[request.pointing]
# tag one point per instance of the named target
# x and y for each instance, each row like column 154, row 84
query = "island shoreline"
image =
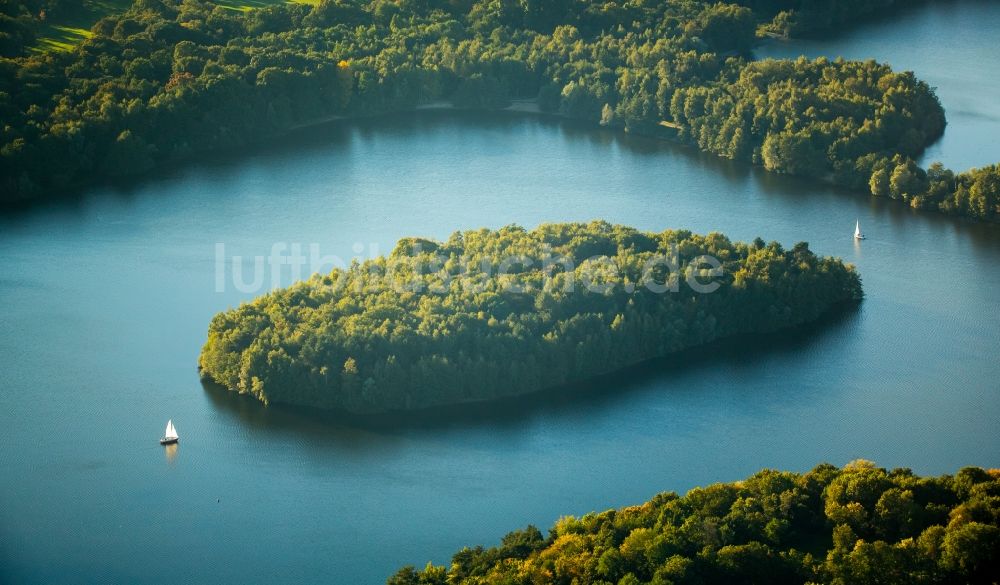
column 593, row 389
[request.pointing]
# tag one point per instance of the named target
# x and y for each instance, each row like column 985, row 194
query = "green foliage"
column 167, row 79
column 726, row 27
column 499, row 313
column 810, row 117
column 720, row 534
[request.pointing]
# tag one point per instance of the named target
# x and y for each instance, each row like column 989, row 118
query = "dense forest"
column 488, row 313
column 168, row 79
column 857, row 525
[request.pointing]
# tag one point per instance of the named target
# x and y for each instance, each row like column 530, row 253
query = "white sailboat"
column 857, row 231
column 170, row 436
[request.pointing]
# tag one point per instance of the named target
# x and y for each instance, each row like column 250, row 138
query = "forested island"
column 857, row 525
column 168, row 79
column 494, row 313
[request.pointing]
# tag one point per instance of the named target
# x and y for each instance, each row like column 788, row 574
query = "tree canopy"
column 492, row 313
column 857, row 524
column 168, row 79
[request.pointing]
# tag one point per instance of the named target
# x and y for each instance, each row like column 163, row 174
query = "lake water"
column 952, row 46
column 106, row 303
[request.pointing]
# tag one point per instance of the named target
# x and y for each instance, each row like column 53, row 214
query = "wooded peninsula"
column 168, row 79
column 859, row 524
column 494, row 313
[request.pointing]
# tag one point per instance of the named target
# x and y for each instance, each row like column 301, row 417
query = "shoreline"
column 530, row 106
column 526, row 106
column 594, row 386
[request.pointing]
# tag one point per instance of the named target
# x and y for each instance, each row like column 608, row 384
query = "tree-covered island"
column 168, row 79
column 859, row 525
column 494, row 313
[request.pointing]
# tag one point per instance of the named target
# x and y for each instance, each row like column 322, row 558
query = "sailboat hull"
column 166, row 441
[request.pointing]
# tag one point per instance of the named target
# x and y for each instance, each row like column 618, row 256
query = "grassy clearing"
column 67, row 32
column 56, row 37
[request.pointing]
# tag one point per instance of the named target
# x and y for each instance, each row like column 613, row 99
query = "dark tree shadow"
column 571, row 400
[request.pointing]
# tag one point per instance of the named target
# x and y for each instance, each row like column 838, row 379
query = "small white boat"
column 857, row 231
column 170, row 436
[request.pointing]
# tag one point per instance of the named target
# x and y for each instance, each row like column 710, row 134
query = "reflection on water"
column 339, row 430
column 122, row 287
column 170, row 451
column 950, row 45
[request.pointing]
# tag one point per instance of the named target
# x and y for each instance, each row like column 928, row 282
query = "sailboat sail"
column 857, row 230
column 171, row 432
